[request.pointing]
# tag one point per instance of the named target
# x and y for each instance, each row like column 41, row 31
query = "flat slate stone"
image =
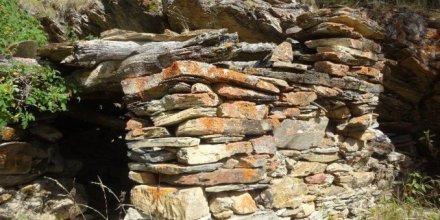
column 356, row 53
column 165, row 142
column 18, row 157
column 170, row 202
column 304, row 168
column 151, row 156
column 216, row 75
column 287, row 192
column 212, row 153
column 142, row 177
column 173, row 169
column 237, row 93
column 311, row 77
column 174, row 101
column 258, row 215
column 147, row 132
column 282, row 52
column 253, row 161
column 145, row 87
column 264, row 145
column 323, row 158
column 168, row 118
column 361, row 44
column 284, row 112
column 235, row 187
column 299, row 134
column 242, row 109
column 326, row 30
column 220, row 139
column 294, row 66
column 366, row 27
column 299, row 98
column 333, row 69
column 226, row 126
column 221, row 176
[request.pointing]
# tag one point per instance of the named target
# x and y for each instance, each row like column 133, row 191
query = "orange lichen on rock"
column 216, row 75
column 299, row 98
column 242, row 109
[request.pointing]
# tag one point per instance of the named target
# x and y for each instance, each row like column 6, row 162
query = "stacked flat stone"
column 294, row 136
column 411, row 84
column 227, row 130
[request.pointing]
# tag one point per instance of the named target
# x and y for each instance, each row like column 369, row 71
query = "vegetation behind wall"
column 25, row 89
column 16, row 25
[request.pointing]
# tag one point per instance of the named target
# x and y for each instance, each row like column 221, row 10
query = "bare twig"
column 71, row 196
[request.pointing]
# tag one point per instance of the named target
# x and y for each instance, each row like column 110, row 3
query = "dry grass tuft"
column 398, row 210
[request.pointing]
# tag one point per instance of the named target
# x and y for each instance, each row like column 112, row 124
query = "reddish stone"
column 339, row 57
column 253, row 161
column 365, row 71
column 237, row 93
column 331, row 68
column 282, row 112
column 226, row 126
column 316, row 179
column 299, row 98
column 283, row 52
column 242, row 109
column 146, row 87
column 222, row 176
column 134, row 124
column 213, row 74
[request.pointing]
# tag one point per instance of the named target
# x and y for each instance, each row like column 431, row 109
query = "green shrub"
column 422, row 189
column 25, row 90
column 16, row 25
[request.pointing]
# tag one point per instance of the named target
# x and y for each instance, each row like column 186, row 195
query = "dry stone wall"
column 292, row 136
column 228, row 130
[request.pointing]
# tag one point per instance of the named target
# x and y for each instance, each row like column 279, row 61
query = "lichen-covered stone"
column 237, row 93
column 302, row 168
column 287, row 192
column 212, row 153
column 164, row 142
column 226, row 126
column 242, row 109
column 333, row 69
column 169, row 202
column 173, row 118
column 299, row 98
column 240, row 203
column 216, row 75
column 264, row 145
column 300, row 135
column 221, row 176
